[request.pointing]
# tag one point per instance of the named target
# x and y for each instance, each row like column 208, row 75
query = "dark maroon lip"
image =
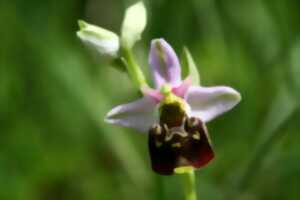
column 185, row 145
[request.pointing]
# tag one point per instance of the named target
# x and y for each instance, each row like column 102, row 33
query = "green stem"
column 189, row 182
column 134, row 70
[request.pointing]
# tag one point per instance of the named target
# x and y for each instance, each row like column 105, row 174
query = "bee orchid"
column 174, row 113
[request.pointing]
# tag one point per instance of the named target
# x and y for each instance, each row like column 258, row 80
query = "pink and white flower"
column 174, row 113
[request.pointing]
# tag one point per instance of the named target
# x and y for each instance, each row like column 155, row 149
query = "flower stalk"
column 133, row 68
column 189, row 183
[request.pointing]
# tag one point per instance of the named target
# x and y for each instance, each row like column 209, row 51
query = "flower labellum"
column 174, row 113
column 185, row 145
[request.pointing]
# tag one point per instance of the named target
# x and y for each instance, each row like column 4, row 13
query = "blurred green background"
column 54, row 94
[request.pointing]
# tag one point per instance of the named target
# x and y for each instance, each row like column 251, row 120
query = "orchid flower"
column 174, row 113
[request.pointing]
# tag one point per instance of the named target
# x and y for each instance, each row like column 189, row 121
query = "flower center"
column 166, row 89
column 172, row 108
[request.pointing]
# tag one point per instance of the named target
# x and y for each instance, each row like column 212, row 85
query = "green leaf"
column 282, row 109
column 189, row 67
column 295, row 68
column 133, row 24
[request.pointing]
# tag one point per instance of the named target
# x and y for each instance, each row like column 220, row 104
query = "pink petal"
column 182, row 89
column 154, row 94
column 210, row 102
column 164, row 63
column 139, row 114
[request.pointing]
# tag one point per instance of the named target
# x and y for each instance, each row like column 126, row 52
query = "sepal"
column 189, row 68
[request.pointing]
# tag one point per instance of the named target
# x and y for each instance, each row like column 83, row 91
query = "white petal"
column 210, row 102
column 140, row 114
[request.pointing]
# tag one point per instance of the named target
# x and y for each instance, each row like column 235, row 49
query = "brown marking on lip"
column 192, row 146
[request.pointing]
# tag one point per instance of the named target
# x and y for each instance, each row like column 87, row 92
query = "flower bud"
column 102, row 40
column 133, row 24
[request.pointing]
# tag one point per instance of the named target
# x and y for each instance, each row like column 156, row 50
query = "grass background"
column 54, row 95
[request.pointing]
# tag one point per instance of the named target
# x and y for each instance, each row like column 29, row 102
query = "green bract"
column 189, row 67
column 133, row 24
column 102, row 40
